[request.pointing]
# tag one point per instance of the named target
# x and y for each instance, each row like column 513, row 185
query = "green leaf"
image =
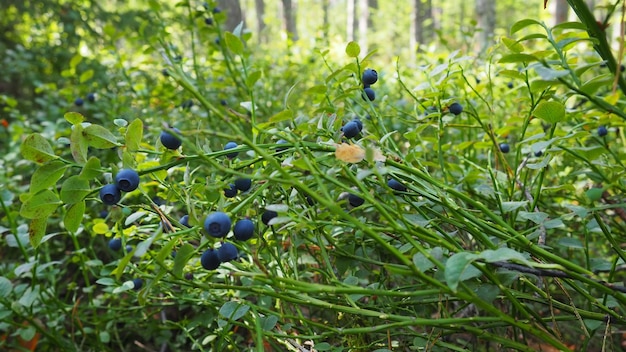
column 36, row 230
column 252, row 78
column 570, row 242
column 134, row 135
column 36, row 148
column 549, row 74
column 550, row 111
column 183, row 254
column 234, row 310
column 515, row 58
column 5, row 286
column 519, row 25
column 594, row 194
column 455, row 266
column 537, row 217
column 40, row 205
column 74, row 216
column 512, row 206
column 571, row 25
column 233, row 43
column 74, row 118
column 85, row 76
column 47, row 175
column 99, row 137
column 422, row 263
column 78, row 144
column 513, row 45
column 281, row 116
column 502, row 254
column 74, row 189
column 353, row 49
column 269, row 322
column 91, row 169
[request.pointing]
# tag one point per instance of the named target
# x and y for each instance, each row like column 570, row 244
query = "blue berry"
column 127, row 180
column 602, row 131
column 455, row 108
column 217, row 10
column 368, row 94
column 115, row 244
column 350, row 129
column 243, row 184
column 538, row 153
column 170, row 141
column 129, row 248
column 79, row 102
column 210, row 260
column 91, row 97
column 358, row 123
column 505, row 148
column 137, row 284
column 231, row 191
column 208, row 21
column 184, row 220
column 217, row 224
column 355, row 200
column 268, row 215
column 227, row 252
column 396, row 185
column 243, row 230
column 110, row 194
column 231, row 145
column 369, row 77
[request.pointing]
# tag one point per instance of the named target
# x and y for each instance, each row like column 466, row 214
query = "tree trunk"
column 486, row 15
column 260, row 24
column 561, row 9
column 364, row 14
column 289, row 14
column 350, row 23
column 326, row 25
column 373, row 5
column 234, row 16
column 422, row 22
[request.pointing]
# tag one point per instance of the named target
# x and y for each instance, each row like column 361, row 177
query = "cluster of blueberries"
column 91, row 97
column 368, row 78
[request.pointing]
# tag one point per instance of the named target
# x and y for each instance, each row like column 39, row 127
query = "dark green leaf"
column 36, row 230
column 183, row 254
column 40, row 205
column 234, row 310
column 134, row 135
column 99, row 137
column 233, row 43
column 455, row 266
column 47, row 175
column 74, row 216
column 78, row 144
column 74, row 189
column 91, row 169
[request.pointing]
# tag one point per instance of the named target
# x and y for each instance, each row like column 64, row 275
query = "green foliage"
column 484, row 250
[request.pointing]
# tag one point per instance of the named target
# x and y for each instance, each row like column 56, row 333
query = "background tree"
column 422, row 22
column 560, row 9
column 259, row 6
column 289, row 14
column 486, row 22
column 234, row 15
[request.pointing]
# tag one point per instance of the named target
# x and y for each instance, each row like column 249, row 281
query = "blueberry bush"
column 216, row 198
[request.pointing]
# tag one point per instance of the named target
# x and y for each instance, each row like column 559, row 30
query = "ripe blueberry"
column 243, row 230
column 217, row 224
column 188, row 276
column 231, row 145
column 358, row 123
column 129, row 248
column 91, row 97
column 127, row 180
column 217, row 10
column 602, row 131
column 368, row 94
column 505, row 148
column 510, row 85
column 355, row 200
column 455, row 108
column 137, row 284
column 210, row 260
column 538, row 153
column 268, row 215
column 243, row 184
column 110, row 194
column 369, row 77
column 231, row 191
column 227, row 252
column 350, row 129
column 79, row 102
column 184, row 220
column 170, row 141
column 396, row 185
column 208, row 21
column 115, row 244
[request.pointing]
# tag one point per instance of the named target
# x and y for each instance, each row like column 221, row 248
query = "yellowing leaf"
column 100, row 228
column 350, row 153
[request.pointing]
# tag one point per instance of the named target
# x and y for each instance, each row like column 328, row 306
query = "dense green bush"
column 468, row 247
